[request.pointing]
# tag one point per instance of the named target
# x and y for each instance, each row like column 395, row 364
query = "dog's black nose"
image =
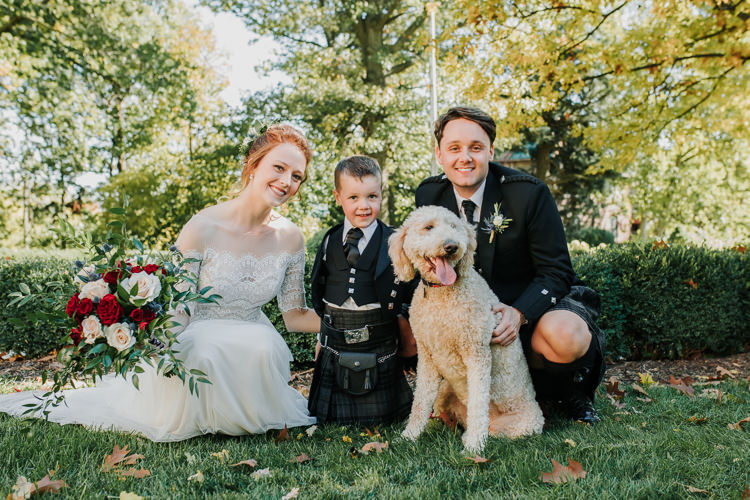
column 450, row 247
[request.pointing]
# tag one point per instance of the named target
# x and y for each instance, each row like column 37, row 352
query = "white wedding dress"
column 245, row 358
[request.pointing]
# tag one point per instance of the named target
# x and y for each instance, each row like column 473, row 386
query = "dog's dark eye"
column 428, row 227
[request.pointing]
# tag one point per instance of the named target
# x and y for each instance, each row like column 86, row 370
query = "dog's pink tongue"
column 444, row 271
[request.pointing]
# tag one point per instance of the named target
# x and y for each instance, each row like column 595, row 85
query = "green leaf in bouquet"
column 24, row 288
column 98, row 348
column 138, row 369
column 116, row 210
column 195, row 371
column 204, row 380
column 135, row 381
column 138, row 302
column 122, row 293
column 137, row 244
column 192, row 385
column 107, row 361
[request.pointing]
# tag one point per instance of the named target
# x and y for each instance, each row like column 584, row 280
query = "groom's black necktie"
column 351, row 249
column 469, row 207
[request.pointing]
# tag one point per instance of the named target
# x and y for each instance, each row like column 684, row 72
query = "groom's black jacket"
column 390, row 291
column 527, row 265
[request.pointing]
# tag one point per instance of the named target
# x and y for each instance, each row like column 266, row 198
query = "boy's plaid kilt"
column 389, row 401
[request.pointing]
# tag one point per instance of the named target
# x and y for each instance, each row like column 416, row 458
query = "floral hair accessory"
column 252, row 135
column 497, row 223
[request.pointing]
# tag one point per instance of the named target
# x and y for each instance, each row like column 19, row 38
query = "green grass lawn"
column 644, row 450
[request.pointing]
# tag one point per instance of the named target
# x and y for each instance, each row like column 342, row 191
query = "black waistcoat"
column 357, row 282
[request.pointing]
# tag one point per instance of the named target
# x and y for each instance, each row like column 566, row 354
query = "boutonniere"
column 496, row 223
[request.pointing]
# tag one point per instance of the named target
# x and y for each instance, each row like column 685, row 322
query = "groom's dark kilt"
column 389, row 401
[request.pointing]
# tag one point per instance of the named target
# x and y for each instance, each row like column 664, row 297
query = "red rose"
column 137, row 315
column 151, row 268
column 112, row 277
column 164, row 272
column 85, row 307
column 136, row 269
column 72, row 306
column 148, row 315
column 76, row 335
column 109, row 310
column 143, row 325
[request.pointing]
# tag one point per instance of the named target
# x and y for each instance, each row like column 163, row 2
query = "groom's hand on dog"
column 509, row 325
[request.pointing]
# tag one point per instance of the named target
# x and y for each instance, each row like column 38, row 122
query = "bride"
column 249, row 254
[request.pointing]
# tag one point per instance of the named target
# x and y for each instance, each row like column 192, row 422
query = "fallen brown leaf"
column 283, row 435
column 376, row 446
column 561, row 474
column 45, row 484
column 692, row 489
column 724, row 373
column 615, row 403
column 682, row 385
column 119, row 456
column 739, row 424
column 449, row 420
column 697, row 420
column 479, row 460
column 250, row 462
column 373, row 433
column 301, row 458
column 746, row 493
column 643, row 391
column 136, row 473
column 613, row 388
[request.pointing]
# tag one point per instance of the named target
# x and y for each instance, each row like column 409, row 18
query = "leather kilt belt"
column 359, row 351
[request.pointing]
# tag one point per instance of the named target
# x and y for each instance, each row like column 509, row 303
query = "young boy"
column 358, row 378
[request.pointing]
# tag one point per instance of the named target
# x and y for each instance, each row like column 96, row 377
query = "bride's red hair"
column 272, row 137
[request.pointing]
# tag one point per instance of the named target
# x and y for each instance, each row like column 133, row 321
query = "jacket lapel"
column 486, row 250
column 383, row 259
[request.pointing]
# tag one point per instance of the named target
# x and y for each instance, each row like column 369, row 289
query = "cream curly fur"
column 487, row 387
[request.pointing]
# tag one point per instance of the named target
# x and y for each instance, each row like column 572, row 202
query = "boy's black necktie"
column 469, row 207
column 351, row 250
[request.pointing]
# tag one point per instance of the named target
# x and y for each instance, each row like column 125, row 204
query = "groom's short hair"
column 357, row 166
column 472, row 114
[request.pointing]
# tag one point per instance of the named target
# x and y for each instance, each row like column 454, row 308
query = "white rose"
column 149, row 286
column 119, row 336
column 94, row 290
column 498, row 220
column 92, row 329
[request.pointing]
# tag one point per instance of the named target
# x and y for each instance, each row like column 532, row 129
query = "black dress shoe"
column 581, row 409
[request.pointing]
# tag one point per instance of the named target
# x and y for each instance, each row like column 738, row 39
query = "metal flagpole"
column 431, row 10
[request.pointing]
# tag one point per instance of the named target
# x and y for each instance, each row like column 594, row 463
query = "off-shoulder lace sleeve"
column 292, row 293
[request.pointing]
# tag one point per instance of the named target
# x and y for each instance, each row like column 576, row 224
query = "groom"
column 523, row 255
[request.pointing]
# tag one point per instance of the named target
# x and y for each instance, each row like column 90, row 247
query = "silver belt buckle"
column 357, row 335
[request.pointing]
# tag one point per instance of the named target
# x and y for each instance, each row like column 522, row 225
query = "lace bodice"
column 247, row 282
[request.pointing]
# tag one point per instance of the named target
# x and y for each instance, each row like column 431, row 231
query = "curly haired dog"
column 487, row 387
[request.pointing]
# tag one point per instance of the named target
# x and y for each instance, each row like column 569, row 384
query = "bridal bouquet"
column 122, row 314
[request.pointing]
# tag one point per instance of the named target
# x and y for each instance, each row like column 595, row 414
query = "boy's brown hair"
column 357, row 166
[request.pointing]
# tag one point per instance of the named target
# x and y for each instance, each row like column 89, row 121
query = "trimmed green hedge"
column 670, row 302
column 656, row 302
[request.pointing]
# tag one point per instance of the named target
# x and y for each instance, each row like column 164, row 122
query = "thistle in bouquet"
column 121, row 316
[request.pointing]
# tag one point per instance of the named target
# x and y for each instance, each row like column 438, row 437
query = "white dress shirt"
column 477, row 198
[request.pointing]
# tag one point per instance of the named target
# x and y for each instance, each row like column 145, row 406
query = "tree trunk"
column 542, row 163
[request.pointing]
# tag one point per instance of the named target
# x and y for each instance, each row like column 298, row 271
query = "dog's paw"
column 410, row 433
column 473, row 443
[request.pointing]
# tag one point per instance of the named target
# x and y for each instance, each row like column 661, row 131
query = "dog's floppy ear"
column 402, row 266
column 467, row 261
